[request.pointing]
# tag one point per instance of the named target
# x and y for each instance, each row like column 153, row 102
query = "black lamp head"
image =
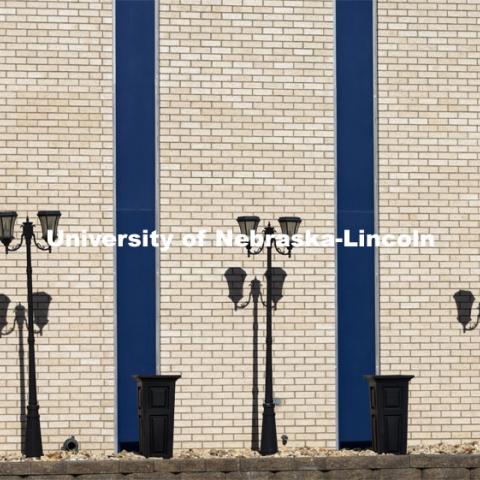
column 49, row 221
column 289, row 225
column 247, row 224
column 7, row 223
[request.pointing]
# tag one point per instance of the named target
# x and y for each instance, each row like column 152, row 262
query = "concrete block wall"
column 377, row 467
column 56, row 127
column 428, row 149
column 246, row 127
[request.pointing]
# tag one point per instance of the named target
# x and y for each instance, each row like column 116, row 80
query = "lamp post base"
column 33, row 435
column 269, row 444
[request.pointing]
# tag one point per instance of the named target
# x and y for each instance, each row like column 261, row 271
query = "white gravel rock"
column 282, row 452
column 81, row 455
column 441, row 448
column 446, row 448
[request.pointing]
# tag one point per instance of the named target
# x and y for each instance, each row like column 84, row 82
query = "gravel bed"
column 441, row 448
column 446, row 448
column 62, row 455
column 282, row 452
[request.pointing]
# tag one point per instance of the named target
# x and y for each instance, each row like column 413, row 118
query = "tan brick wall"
column 246, row 127
column 56, row 152
column 429, row 96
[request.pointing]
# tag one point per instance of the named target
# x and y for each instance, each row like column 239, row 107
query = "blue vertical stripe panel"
column 135, row 204
column 355, row 211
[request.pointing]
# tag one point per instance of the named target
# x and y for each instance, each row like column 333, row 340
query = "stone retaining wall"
column 389, row 467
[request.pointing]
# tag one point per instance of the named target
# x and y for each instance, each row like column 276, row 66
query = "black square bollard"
column 389, row 412
column 156, row 401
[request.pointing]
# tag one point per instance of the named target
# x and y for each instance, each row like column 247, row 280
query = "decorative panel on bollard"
column 156, row 401
column 389, row 412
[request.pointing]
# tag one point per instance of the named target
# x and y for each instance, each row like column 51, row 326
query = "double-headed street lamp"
column 289, row 226
column 49, row 222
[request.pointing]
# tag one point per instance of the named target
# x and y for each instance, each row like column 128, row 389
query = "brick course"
column 246, row 127
column 56, row 153
column 428, row 149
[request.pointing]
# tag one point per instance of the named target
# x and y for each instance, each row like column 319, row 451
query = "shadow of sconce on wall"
column 464, row 300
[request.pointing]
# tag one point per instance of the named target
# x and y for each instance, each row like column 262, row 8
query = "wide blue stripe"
column 355, row 211
column 135, row 204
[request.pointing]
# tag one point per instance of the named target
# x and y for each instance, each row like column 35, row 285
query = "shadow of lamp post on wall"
column 49, row 222
column 289, row 227
column 235, row 278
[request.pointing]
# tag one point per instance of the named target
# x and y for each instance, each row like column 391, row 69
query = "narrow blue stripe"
column 135, row 204
column 355, row 211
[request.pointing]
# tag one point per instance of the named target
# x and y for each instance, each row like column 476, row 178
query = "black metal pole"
column 256, row 292
column 33, row 435
column 269, row 430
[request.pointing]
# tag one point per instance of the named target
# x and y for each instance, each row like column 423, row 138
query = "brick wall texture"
column 56, row 153
column 246, row 127
column 428, row 149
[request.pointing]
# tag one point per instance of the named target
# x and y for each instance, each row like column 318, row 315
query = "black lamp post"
column 48, row 221
column 289, row 226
